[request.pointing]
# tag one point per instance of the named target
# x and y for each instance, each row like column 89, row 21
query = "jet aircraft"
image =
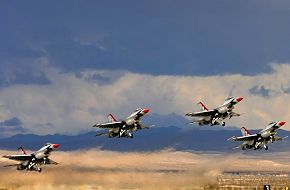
column 33, row 161
column 215, row 116
column 261, row 139
column 125, row 127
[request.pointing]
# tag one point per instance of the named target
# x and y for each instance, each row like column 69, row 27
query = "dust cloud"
column 164, row 170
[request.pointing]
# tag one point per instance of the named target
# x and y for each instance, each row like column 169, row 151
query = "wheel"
column 266, row 147
column 223, row 123
column 39, row 170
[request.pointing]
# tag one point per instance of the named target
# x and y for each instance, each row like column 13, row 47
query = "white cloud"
column 70, row 104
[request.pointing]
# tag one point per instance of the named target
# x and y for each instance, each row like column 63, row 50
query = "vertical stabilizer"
column 245, row 132
column 112, row 118
column 203, row 107
column 22, row 151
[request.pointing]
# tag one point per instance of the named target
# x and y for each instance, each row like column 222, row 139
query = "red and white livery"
column 33, row 161
column 123, row 128
column 261, row 139
column 215, row 116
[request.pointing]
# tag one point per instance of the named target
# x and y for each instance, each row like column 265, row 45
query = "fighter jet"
column 33, row 161
column 125, row 127
column 261, row 139
column 215, row 116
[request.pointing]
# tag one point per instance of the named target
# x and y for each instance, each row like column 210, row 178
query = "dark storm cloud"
column 260, row 91
column 11, row 126
column 27, row 71
column 12, row 122
column 155, row 37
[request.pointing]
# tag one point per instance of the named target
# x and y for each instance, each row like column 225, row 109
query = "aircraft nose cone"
column 55, row 145
column 281, row 123
column 146, row 110
column 239, row 99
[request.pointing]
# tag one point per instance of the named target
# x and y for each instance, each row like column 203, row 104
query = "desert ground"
column 168, row 169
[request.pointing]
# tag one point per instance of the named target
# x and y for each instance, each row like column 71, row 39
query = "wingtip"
column 189, row 114
column 231, row 138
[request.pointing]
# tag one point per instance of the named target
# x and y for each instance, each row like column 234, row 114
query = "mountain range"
column 171, row 133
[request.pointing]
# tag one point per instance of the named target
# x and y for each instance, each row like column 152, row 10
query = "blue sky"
column 53, row 54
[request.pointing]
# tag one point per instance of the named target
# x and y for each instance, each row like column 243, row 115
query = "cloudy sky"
column 65, row 65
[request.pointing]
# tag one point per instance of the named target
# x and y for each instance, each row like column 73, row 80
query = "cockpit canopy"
column 138, row 109
column 229, row 98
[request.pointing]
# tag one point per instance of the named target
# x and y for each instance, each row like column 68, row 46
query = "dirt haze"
column 96, row 169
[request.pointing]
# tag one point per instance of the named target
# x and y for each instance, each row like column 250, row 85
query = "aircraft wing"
column 245, row 138
column 276, row 138
column 19, row 157
column 49, row 162
column 140, row 126
column 234, row 114
column 112, row 125
column 202, row 113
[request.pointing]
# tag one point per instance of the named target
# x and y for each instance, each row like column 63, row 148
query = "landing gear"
column 130, row 135
column 44, row 160
column 257, row 146
column 213, row 121
column 31, row 164
column 122, row 133
column 272, row 139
